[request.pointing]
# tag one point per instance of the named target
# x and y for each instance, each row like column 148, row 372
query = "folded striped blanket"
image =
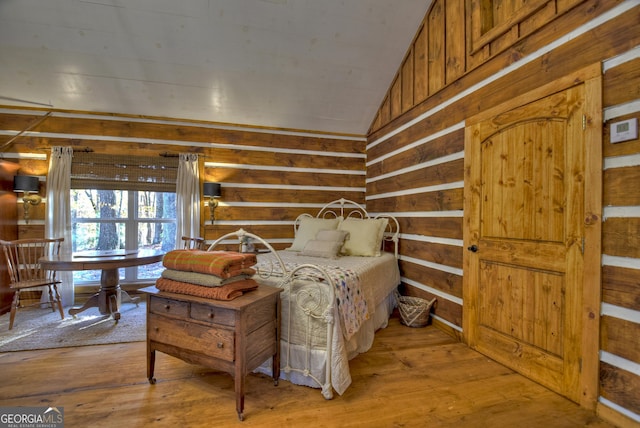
column 224, row 264
column 203, row 279
column 224, row 292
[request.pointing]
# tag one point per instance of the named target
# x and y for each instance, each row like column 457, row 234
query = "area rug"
column 36, row 328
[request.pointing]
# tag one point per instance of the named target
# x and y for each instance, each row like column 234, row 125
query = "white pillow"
column 309, row 228
column 365, row 236
column 332, row 235
column 326, row 249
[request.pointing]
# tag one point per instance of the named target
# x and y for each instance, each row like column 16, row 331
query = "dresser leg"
column 151, row 364
column 239, row 386
column 275, row 369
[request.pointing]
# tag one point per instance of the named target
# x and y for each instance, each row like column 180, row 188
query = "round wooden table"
column 110, row 295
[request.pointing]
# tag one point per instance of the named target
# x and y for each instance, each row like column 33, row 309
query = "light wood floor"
column 410, row 378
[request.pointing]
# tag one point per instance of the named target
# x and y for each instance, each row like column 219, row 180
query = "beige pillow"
column 365, row 236
column 317, row 248
column 309, row 228
column 332, row 235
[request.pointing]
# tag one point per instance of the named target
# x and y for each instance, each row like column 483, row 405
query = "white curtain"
column 187, row 198
column 58, row 218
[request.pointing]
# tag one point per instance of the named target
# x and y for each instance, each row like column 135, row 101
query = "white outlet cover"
column 624, row 130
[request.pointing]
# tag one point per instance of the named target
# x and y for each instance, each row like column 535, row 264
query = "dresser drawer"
column 212, row 314
column 172, row 308
column 214, row 342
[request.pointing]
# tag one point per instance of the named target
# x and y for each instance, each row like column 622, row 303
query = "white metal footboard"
column 308, row 299
column 309, row 296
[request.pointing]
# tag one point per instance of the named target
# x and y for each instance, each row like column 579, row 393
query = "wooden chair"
column 190, row 243
column 25, row 270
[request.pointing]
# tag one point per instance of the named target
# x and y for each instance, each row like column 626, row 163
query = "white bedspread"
column 379, row 276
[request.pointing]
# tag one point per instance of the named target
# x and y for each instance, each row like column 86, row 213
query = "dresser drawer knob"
column 167, row 307
column 220, row 345
column 211, row 315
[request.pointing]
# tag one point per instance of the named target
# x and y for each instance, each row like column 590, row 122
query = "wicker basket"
column 414, row 311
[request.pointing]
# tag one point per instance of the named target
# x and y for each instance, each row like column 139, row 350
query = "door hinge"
column 584, row 122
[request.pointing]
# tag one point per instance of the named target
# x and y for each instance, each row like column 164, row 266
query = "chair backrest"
column 190, row 243
column 23, row 258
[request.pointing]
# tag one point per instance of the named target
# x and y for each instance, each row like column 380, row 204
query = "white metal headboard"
column 337, row 209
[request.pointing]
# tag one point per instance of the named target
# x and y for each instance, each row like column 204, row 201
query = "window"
column 497, row 24
column 112, row 210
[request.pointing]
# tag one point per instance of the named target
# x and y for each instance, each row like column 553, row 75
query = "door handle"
column 473, row 248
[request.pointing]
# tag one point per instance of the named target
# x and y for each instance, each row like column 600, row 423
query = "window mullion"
column 131, row 232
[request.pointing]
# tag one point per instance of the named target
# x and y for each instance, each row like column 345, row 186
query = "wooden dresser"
column 233, row 336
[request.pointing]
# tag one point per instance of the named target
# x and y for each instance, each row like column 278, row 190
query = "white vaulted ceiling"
column 322, row 65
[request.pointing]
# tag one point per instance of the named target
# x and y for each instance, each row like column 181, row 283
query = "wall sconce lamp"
column 212, row 190
column 27, row 184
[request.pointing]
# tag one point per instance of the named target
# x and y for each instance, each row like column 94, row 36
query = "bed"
column 338, row 280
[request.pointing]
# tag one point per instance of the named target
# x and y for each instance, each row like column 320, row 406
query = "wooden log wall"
column 620, row 322
column 415, row 155
column 268, row 176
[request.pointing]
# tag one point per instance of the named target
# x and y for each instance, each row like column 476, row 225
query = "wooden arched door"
column 527, row 300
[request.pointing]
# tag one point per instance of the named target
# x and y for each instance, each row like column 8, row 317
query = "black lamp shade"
column 211, row 189
column 25, row 183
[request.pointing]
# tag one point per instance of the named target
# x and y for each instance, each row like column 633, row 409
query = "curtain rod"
column 175, row 155
column 163, row 154
column 90, row 150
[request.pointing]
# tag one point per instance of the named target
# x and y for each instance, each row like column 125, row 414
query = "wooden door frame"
column 591, row 77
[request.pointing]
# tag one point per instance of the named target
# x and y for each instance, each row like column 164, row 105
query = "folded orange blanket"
column 224, row 264
column 225, row 292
